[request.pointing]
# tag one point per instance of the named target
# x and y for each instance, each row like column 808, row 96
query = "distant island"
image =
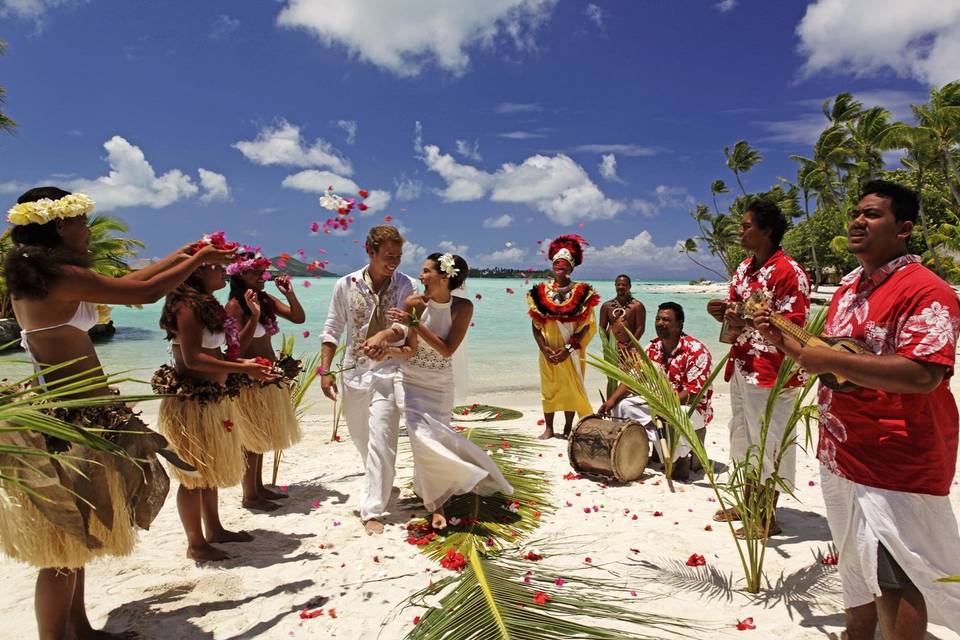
column 501, row 272
column 298, row 269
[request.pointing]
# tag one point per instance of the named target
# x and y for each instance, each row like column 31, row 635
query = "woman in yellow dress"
column 563, row 325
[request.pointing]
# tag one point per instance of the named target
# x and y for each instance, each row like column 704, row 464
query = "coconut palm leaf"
column 949, row 579
column 484, row 413
column 496, row 598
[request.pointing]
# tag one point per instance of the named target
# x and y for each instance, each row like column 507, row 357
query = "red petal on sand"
column 745, row 624
column 416, row 620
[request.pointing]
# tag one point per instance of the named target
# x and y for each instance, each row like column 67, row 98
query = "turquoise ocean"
column 502, row 353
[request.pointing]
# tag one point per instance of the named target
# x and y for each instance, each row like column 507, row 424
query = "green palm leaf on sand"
column 484, row 413
column 499, row 598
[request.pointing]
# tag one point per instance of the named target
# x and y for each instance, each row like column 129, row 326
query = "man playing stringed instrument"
column 888, row 448
column 754, row 362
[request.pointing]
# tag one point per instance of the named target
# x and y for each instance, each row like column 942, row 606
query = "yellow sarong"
column 562, row 385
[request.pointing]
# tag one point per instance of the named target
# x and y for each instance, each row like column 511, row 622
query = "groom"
column 359, row 305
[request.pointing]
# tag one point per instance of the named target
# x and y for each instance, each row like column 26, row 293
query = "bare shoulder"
column 461, row 303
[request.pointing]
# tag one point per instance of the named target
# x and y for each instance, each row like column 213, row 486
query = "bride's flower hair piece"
column 46, row 209
column 448, row 265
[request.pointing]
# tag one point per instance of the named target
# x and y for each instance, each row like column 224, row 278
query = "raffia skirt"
column 267, row 420
column 200, row 420
column 86, row 505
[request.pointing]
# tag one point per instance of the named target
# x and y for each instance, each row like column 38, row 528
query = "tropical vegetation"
column 848, row 152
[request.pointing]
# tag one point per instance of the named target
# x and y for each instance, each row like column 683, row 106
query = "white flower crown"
column 45, row 210
column 447, row 265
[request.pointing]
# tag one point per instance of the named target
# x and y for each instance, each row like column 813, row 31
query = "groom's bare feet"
column 373, row 526
column 546, row 435
column 438, row 521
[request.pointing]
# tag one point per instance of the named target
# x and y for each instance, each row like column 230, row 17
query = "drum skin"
column 609, row 447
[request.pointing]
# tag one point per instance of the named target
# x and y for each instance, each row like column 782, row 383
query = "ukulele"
column 759, row 301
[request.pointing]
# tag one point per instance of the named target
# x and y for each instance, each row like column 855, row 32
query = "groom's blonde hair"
column 380, row 234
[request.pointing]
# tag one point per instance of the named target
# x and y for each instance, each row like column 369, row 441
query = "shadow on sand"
column 145, row 617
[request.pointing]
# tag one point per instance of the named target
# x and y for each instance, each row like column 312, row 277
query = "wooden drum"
column 610, row 447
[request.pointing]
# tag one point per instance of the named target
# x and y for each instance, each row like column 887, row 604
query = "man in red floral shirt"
column 888, row 448
column 687, row 363
column 754, row 362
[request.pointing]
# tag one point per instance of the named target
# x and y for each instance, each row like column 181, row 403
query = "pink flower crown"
column 257, row 262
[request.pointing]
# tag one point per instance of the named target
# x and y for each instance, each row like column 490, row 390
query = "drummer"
column 687, row 363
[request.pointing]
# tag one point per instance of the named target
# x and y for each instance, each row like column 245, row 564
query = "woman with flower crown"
column 445, row 463
column 563, row 324
column 198, row 414
column 89, row 509
column 269, row 422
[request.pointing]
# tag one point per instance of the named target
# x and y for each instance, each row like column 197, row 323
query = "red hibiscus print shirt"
column 689, row 368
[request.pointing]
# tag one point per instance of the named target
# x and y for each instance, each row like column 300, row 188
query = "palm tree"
column 871, row 133
column 941, row 117
column 6, row 124
column 831, row 156
column 741, row 159
column 718, row 232
column 842, row 108
column 717, row 186
column 921, row 156
column 806, row 184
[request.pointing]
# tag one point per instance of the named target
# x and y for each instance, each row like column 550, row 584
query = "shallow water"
column 502, row 353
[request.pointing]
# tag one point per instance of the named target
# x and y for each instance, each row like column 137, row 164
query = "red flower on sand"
column 539, row 597
column 532, row 556
column 307, row 615
column 696, row 560
column 830, row 559
column 228, row 425
column 454, row 560
column 745, row 624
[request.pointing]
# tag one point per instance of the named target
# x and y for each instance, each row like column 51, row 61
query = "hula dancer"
column 89, row 508
column 201, row 420
column 563, row 324
column 269, row 422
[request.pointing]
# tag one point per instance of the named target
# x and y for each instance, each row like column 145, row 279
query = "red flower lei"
column 578, row 305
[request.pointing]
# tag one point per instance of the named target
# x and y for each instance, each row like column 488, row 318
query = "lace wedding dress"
column 445, row 463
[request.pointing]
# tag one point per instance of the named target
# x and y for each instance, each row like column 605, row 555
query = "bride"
column 445, row 463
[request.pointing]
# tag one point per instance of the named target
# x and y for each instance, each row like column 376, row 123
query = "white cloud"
column 448, row 246
column 13, row 186
column 517, row 107
column 520, row 135
column 214, row 186
column 594, row 14
column 919, row 39
column 283, row 145
column 637, row 252
column 663, row 197
column 413, row 254
column 554, row 185
column 469, row 151
column 350, row 128
column 803, row 129
column 509, row 257
column 223, row 27
column 608, row 167
column 404, row 37
column 632, row 150
column 498, row 222
column 132, row 182
column 315, row 181
column 30, row 9
column 418, row 137
column 407, row 189
column 725, row 5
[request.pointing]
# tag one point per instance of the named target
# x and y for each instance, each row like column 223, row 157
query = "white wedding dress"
column 445, row 463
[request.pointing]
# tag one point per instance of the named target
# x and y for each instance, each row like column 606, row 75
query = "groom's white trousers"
column 373, row 420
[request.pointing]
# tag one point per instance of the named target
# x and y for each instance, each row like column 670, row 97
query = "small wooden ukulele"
column 760, row 301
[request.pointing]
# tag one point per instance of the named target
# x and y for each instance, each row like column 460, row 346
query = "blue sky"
column 480, row 127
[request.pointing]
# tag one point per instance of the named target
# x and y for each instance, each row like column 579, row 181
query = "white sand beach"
column 313, row 554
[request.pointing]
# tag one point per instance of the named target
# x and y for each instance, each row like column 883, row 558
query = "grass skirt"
column 205, row 436
column 267, row 421
column 84, row 506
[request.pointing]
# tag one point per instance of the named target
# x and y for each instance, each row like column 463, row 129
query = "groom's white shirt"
column 351, row 308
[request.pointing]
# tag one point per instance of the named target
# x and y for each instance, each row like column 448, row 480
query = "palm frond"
column 484, row 413
column 497, row 598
